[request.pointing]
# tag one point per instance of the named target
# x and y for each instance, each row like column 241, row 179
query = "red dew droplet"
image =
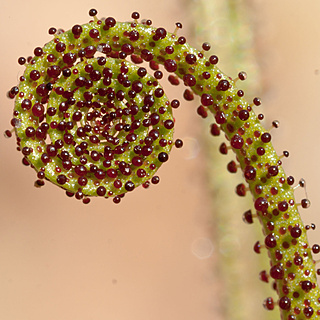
column 232, row 167
column 273, row 171
column 170, row 65
column 270, row 240
column 54, row 71
column 112, row 173
column 305, row 203
column 155, row 180
column 295, row 232
column 191, row 58
column 101, row 191
column 80, row 170
column 178, row 143
column 237, row 141
column 173, row 79
column 266, row 137
column 189, row 80
column 250, row 173
column 283, row 206
column 61, row 179
column 247, row 217
column 308, row 312
column 243, row 115
column 241, row 190
column 223, row 148
column 188, row 95
column 213, row 59
column 223, row 85
column 263, row 276
column 268, row 303
column 38, row 110
column 261, row 204
column 220, row 117
column 315, row 248
column 306, row 285
column 257, row 101
column 257, row 247
column 129, row 186
column 215, row 130
column 276, row 272
column 163, row 157
column 285, row 303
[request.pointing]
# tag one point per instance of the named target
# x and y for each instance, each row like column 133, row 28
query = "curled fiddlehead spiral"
column 96, row 124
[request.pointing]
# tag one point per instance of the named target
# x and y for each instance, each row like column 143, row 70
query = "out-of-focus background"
column 178, row 250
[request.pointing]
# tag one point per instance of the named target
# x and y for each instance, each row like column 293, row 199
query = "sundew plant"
column 91, row 117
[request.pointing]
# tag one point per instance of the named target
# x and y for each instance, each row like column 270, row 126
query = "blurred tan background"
column 159, row 254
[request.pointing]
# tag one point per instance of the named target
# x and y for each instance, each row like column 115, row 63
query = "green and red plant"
column 95, row 124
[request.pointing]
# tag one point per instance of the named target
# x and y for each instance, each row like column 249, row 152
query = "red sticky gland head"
column 22, row 60
column 163, row 157
column 240, row 93
column 261, row 204
column 93, row 12
column 220, row 117
column 285, row 303
column 237, row 141
column 116, row 200
column 266, row 137
column 270, row 241
column 257, row 247
column 206, row 46
column 315, row 248
column 188, row 95
column 26, row 104
column 34, row 75
column 38, row 110
column 189, row 80
column 60, row 47
column 80, row 170
column 110, row 22
column 223, row 85
column 277, row 272
column 250, row 173
column 232, row 167
column 306, row 285
column 223, row 148
column 290, row 180
column 45, row 158
column 54, row 71
column 191, row 58
column 215, row 130
column 241, row 190
column 129, row 186
column 308, row 312
column 257, row 101
column 273, row 171
column 283, row 206
column 135, row 15
column 206, row 99
column 160, row 33
column 295, row 232
column 263, row 276
column 242, row 75
column 247, row 217
column 170, row 65
column 101, row 191
column 61, row 179
column 243, row 115
column 268, row 304
column 305, row 203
